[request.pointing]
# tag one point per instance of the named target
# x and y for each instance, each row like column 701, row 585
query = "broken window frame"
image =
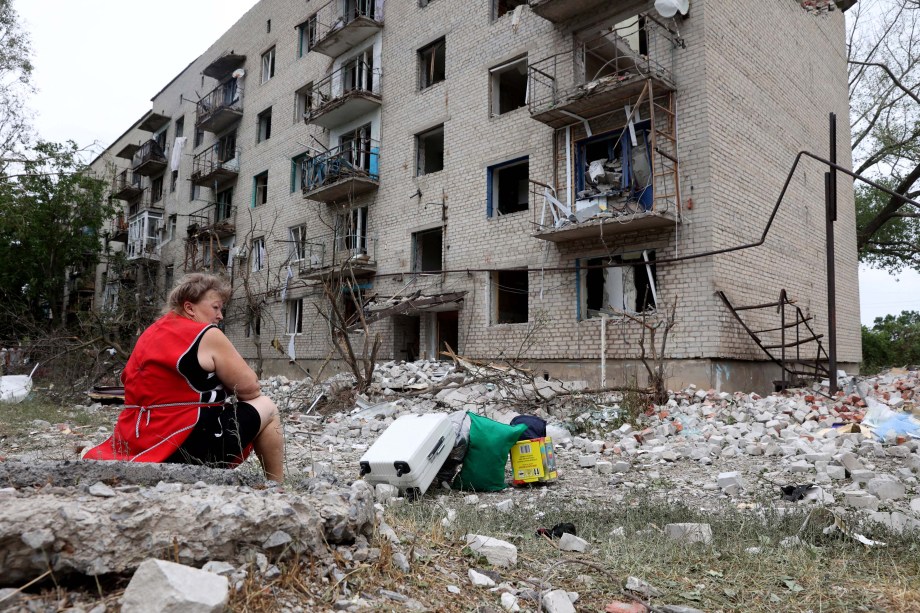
column 494, row 187
column 306, row 35
column 506, row 290
column 171, row 223
column 298, row 166
column 423, row 141
column 419, row 252
column 351, row 231
column 359, row 147
column 495, row 85
column 257, row 254
column 293, row 316
column 268, row 65
column 254, row 326
column 303, row 102
column 264, row 125
column 260, row 189
column 297, row 241
column 223, row 206
column 640, row 269
column 432, row 63
column 156, row 189
column 629, row 185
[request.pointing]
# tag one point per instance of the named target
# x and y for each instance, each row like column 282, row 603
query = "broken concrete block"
column 836, row 472
column 689, row 533
column 158, row 585
column 604, row 468
column 384, row 491
column 496, row 551
column 621, row 466
column 587, row 461
column 557, row 601
column 886, row 488
column 570, row 542
column 862, row 476
column 730, row 482
column 505, row 506
column 634, row 584
column 219, row 568
column 509, row 602
column 480, row 580
column 860, row 500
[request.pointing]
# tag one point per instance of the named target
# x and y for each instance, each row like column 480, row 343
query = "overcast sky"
column 98, row 63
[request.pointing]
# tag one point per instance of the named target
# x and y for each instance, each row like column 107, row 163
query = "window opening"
column 171, row 227
column 169, row 276
column 352, row 300
column 430, row 151
column 298, row 166
column 180, row 127
column 298, row 243
column 268, row 26
column 226, row 147
column 306, row 36
column 502, row 7
column 254, row 325
column 295, row 316
column 199, row 137
column 356, row 147
column 194, row 192
column 431, row 60
column 268, row 65
column 428, row 250
column 224, row 206
column 265, row 125
column 510, row 289
column 631, row 288
column 156, row 189
column 303, row 102
column 358, row 72
column 612, row 167
column 508, row 84
column 260, row 189
column 351, row 231
column 173, row 179
column 258, row 254
column 507, row 187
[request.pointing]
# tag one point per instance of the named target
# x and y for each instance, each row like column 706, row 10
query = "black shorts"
column 220, row 436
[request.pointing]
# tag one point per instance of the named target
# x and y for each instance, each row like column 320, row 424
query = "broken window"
column 226, row 147
column 171, row 223
column 265, row 125
column 303, row 102
column 355, row 147
column 224, row 206
column 428, row 250
column 430, row 151
column 431, row 61
column 156, row 189
column 501, row 7
column 352, row 301
column 257, row 257
column 358, row 72
column 510, row 289
column 254, row 324
column 298, row 166
column 615, row 165
column 351, row 231
column 194, row 192
column 295, row 316
column 631, row 287
column 180, row 127
column 508, row 86
column 306, row 36
column 268, row 65
column 508, row 187
column 199, row 137
column 298, row 243
column 260, row 189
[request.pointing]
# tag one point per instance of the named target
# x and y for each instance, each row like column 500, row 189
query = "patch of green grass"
column 16, row 420
column 826, row 573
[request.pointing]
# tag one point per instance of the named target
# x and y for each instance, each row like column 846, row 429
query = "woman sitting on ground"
column 177, row 386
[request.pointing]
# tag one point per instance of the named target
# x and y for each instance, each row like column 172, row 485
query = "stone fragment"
column 401, row 562
column 453, row 589
column 276, row 540
column 915, row 505
column 557, row 601
column 621, row 466
column 862, row 476
column 570, row 542
column 509, row 602
column 384, row 491
column 730, row 482
column 101, row 490
column 634, row 584
column 618, row 606
column 480, row 580
column 471, row 499
column 496, row 551
column 505, row 506
column 860, row 500
column 158, row 585
column 836, row 472
column 886, row 488
column 219, row 568
column 587, row 461
column 604, row 467
column 689, row 533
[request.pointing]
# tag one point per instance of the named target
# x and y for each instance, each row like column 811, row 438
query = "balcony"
column 346, row 94
column 143, row 236
column 599, row 217
column 127, row 185
column 341, row 26
column 560, row 11
column 223, row 66
column 348, row 170
column 215, row 219
column 220, row 108
column 215, row 165
column 602, row 74
column 119, row 229
column 334, row 255
column 152, row 122
column 149, row 159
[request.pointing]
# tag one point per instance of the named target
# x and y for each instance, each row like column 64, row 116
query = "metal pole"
column 830, row 198
column 603, row 351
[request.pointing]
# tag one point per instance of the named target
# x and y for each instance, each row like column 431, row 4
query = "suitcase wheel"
column 402, row 468
column 365, row 468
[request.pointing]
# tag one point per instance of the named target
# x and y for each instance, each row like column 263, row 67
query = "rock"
column 384, row 491
column 219, row 568
column 604, row 467
column 836, row 472
column 862, row 476
column 480, row 580
column 915, row 505
column 453, row 589
column 505, row 506
column 471, row 499
column 101, row 490
column 401, row 562
column 860, row 500
column 730, row 482
column 161, row 586
column 621, row 467
column 496, row 551
column 618, row 606
column 509, row 602
column 886, row 488
column 570, row 542
column 277, row 539
column 557, row 601
column 634, row 584
column 587, row 461
column 689, row 533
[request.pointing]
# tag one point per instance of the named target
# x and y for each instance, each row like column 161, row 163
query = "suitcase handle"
column 437, row 449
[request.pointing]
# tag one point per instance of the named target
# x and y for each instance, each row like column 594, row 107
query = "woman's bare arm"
column 218, row 355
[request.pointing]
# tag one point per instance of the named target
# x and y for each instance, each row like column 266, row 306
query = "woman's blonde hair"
column 192, row 288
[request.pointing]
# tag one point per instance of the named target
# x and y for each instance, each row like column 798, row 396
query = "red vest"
column 165, row 388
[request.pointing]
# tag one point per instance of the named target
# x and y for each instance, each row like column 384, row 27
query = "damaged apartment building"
column 508, row 179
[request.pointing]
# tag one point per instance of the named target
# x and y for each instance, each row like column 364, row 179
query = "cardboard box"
column 533, row 461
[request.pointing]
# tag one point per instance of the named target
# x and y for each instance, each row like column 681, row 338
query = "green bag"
column 485, row 460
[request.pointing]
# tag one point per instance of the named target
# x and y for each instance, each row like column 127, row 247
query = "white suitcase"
column 410, row 453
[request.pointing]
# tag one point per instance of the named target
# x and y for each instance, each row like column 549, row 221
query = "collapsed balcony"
column 349, row 92
column 126, row 185
column 605, row 72
column 337, row 254
column 217, row 164
column 149, row 159
column 341, row 25
column 348, row 170
column 224, row 65
column 215, row 219
column 560, row 11
column 220, row 108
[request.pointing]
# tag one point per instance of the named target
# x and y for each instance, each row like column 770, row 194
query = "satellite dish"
column 669, row 8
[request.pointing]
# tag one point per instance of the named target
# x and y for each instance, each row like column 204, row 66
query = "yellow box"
column 533, row 461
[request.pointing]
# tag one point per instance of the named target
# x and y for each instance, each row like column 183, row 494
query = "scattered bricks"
column 604, row 468
column 385, row 491
column 480, row 580
column 862, row 476
column 896, row 522
column 915, row 506
column 754, row 449
column 594, row 446
column 860, row 500
column 730, row 482
column 587, row 461
column 689, row 533
column 836, row 472
column 621, row 466
column 625, row 607
column 496, row 551
column 634, row 584
column 570, row 542
column 886, row 488
column 818, row 457
column 898, row 451
column 800, row 467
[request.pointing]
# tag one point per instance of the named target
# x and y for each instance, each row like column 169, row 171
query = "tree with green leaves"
column 883, row 52
column 51, row 216
column 893, row 340
column 15, row 85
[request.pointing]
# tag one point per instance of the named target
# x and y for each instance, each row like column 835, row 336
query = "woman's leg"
column 269, row 443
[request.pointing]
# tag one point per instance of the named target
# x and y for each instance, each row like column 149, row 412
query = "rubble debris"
column 158, row 585
column 496, row 551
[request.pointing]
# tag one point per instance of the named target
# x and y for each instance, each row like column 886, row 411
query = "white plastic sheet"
column 669, row 8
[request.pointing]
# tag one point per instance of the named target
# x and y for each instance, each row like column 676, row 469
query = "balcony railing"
column 149, row 159
column 334, row 254
column 216, row 164
column 341, row 25
column 215, row 218
column 602, row 73
column 127, row 185
column 347, row 93
column 220, row 108
column 348, row 170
